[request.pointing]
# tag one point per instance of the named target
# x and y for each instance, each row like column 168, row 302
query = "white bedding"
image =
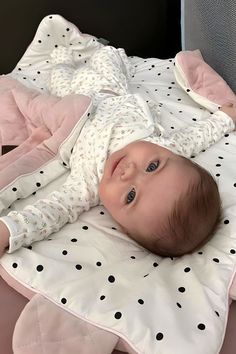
column 156, row 305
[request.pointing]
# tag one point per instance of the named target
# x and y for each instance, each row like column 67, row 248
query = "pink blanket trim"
column 203, row 80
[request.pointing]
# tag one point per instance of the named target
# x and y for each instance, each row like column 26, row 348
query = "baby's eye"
column 131, row 195
column 152, row 166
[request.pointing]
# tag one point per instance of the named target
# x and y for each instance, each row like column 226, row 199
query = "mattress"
column 154, row 80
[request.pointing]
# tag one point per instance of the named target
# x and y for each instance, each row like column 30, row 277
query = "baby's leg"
column 107, row 70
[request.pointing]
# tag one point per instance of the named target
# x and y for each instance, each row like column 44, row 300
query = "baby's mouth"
column 116, row 164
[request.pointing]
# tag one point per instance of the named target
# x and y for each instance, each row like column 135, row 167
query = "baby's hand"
column 230, row 110
column 4, row 238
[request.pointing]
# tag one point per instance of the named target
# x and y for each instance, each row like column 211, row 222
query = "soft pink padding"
column 52, row 330
column 38, row 123
column 202, row 79
column 11, row 305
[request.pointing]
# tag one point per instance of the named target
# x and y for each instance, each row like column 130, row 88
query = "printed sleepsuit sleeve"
column 37, row 221
column 194, row 138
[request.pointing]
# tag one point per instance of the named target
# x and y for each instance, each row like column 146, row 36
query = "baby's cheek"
column 105, row 193
column 101, row 190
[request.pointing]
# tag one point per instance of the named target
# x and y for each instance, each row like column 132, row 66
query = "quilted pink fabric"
column 37, row 122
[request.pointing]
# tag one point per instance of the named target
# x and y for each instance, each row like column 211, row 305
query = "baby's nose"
column 128, row 171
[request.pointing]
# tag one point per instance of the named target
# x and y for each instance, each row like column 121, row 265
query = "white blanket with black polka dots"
column 100, row 275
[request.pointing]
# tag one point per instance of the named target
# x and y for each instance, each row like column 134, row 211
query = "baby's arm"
column 36, row 222
column 199, row 136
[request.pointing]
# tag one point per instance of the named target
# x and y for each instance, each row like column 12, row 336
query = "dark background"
column 146, row 28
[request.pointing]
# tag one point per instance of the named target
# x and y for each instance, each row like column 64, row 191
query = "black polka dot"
column 33, row 193
column 133, row 257
column 38, row 72
column 14, row 189
column 111, row 279
column 218, row 165
column 78, row 267
column 155, row 264
column 14, row 265
column 187, row 269
column 99, row 264
column 217, row 174
column 200, row 252
column 29, row 247
column 74, row 240
column 114, row 228
column 102, row 297
column 102, row 212
column 159, row 336
column 39, row 41
column 38, row 184
column 39, row 268
column 217, row 313
column 188, row 90
column 181, row 289
column 118, row 315
column 140, row 301
column 67, row 29
column 41, row 172
column 178, row 304
column 63, row 301
column 232, row 251
column 64, row 252
column 226, row 222
column 201, row 326
column 216, row 260
column 85, row 227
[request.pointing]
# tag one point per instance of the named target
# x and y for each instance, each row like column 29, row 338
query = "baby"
column 123, row 160
column 164, row 201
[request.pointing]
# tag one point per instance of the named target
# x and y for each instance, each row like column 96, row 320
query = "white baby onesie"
column 118, row 119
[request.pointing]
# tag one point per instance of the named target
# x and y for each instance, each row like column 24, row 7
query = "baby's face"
column 140, row 184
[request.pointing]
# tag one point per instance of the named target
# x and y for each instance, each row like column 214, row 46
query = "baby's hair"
column 193, row 220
